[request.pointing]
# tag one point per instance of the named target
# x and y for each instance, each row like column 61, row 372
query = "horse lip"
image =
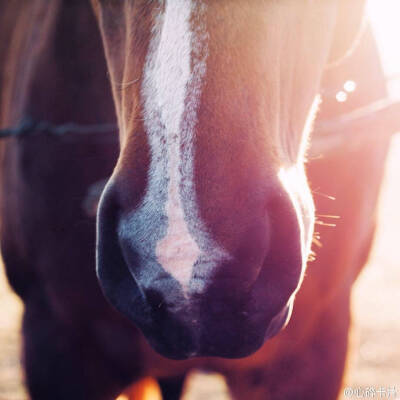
column 279, row 321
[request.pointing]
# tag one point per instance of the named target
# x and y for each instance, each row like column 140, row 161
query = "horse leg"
column 171, row 388
column 63, row 363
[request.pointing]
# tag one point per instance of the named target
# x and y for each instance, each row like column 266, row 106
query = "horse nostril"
column 155, row 299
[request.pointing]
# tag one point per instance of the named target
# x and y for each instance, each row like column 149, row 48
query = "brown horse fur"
column 75, row 345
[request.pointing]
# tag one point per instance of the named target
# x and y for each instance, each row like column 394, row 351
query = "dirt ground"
column 11, row 387
column 376, row 306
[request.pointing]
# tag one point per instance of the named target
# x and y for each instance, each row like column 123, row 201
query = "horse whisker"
column 324, row 195
column 328, row 216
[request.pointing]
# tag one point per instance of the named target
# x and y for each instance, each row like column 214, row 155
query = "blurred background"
column 375, row 359
column 376, row 295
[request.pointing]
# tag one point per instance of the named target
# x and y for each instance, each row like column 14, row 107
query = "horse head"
column 205, row 226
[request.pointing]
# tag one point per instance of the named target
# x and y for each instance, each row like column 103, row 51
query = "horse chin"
column 224, row 348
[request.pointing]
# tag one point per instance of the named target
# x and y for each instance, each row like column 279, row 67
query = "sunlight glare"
column 341, row 96
column 384, row 16
column 350, row 86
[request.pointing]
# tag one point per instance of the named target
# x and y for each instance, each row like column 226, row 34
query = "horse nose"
column 229, row 276
column 228, row 249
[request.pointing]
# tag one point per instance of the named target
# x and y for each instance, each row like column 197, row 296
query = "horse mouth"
column 232, row 335
column 178, row 327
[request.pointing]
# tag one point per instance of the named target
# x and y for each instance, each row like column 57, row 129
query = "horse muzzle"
column 227, row 306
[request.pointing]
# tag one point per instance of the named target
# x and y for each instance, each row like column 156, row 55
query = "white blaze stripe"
column 177, row 251
column 166, row 87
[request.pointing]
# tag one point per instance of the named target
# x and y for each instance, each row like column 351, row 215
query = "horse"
column 205, row 225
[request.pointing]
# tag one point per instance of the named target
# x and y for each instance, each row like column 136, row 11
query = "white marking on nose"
column 172, row 79
column 177, row 251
